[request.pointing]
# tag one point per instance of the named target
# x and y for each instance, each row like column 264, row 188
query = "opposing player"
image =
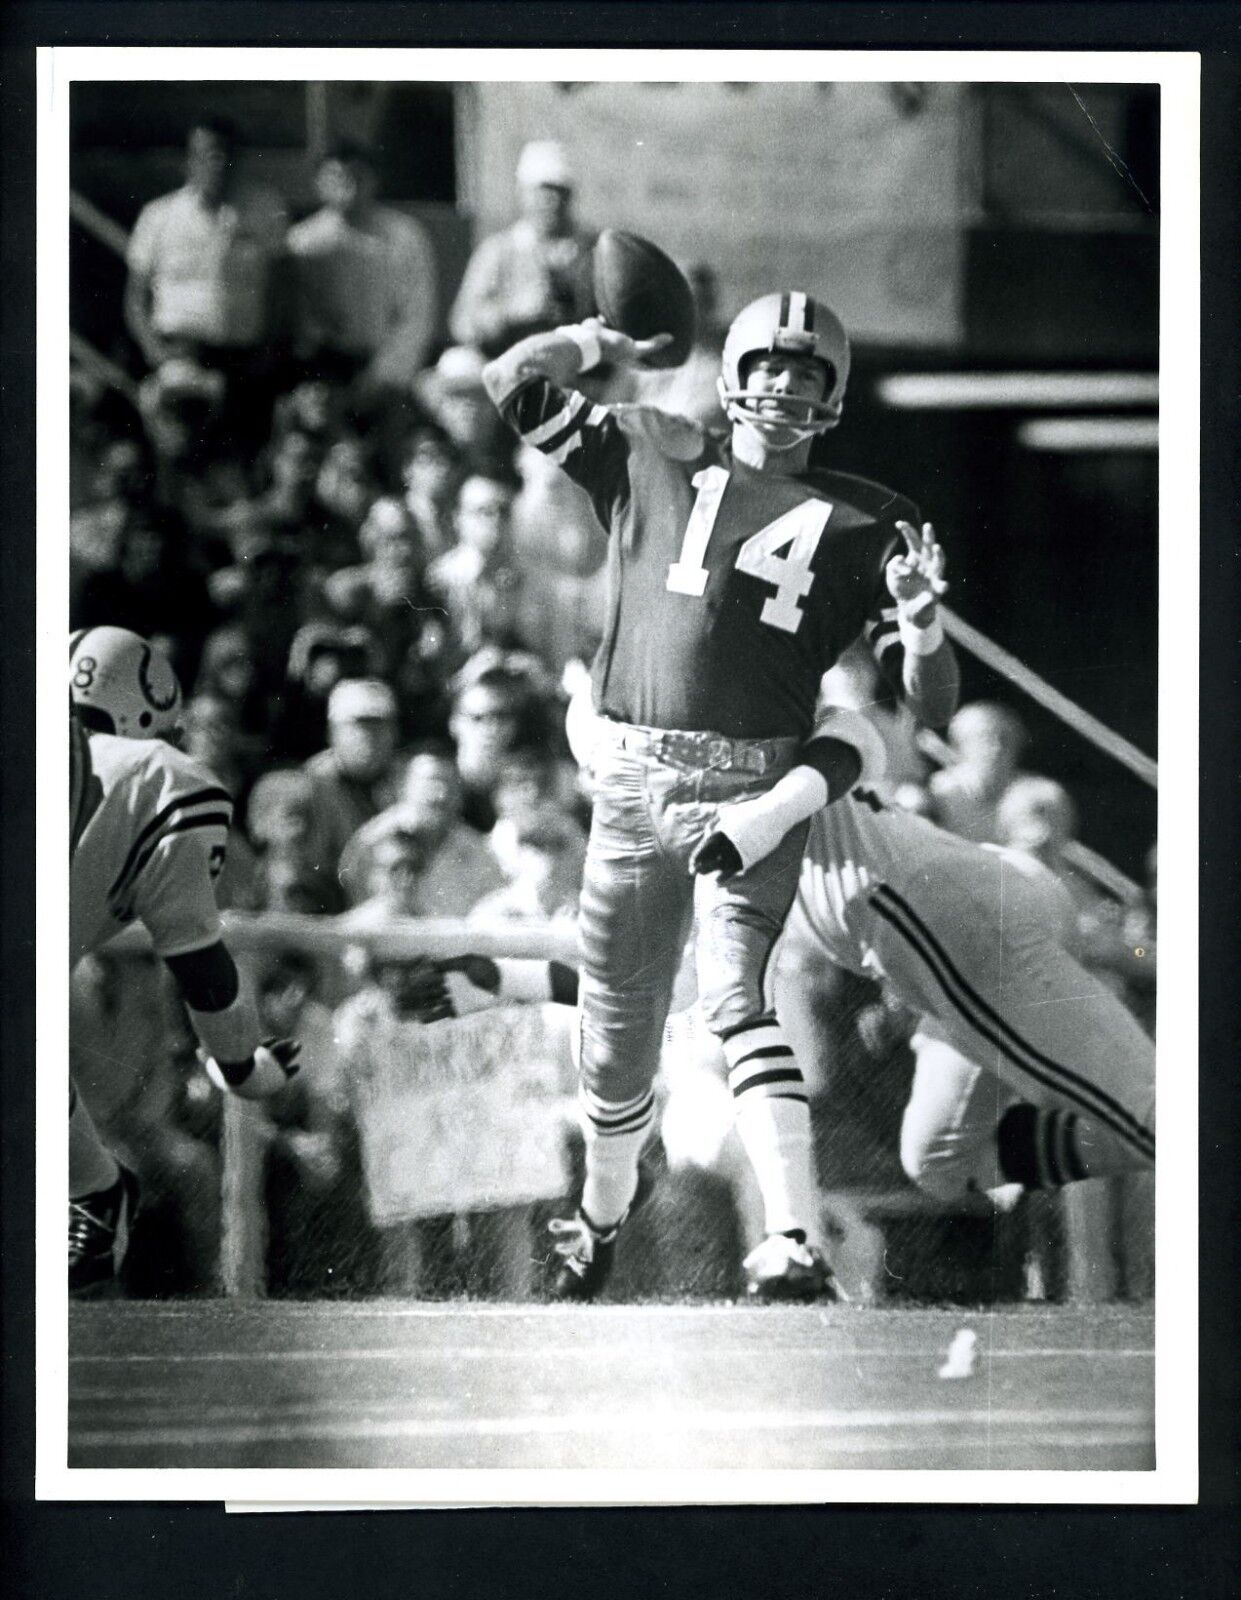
column 737, row 576
column 148, row 831
column 975, row 938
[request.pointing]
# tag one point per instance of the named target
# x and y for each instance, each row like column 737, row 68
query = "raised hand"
column 916, row 577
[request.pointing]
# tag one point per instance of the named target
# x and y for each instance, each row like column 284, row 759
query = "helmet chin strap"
column 765, row 428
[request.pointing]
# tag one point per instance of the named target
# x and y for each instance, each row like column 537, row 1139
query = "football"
column 640, row 291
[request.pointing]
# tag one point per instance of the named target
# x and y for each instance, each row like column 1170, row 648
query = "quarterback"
column 148, row 828
column 737, row 576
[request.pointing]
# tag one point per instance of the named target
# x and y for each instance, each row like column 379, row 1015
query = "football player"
column 737, row 576
column 147, row 835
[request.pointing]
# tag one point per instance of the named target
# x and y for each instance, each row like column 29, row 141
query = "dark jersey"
column 731, row 592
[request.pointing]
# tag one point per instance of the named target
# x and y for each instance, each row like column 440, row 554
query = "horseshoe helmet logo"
column 171, row 694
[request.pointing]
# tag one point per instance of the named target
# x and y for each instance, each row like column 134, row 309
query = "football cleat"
column 586, row 1252
column 99, row 1227
column 782, row 1268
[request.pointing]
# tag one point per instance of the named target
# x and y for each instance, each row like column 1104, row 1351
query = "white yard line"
column 534, row 1354
column 1128, row 1426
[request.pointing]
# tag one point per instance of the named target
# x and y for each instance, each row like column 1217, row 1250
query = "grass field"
column 235, row 1384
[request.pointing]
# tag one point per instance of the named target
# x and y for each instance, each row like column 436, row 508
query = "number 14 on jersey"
column 798, row 531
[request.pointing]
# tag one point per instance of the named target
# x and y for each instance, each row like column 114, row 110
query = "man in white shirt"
column 203, row 280
column 364, row 274
column 535, row 274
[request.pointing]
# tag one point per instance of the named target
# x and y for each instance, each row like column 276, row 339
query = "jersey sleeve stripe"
column 549, row 429
column 207, row 819
column 181, row 803
column 572, row 443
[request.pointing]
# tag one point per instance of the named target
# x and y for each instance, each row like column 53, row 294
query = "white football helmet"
column 796, row 323
column 121, row 684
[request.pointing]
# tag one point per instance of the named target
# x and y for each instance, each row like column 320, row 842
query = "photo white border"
column 1174, row 1479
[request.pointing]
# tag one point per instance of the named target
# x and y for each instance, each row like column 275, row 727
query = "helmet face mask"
column 121, row 684
column 790, row 324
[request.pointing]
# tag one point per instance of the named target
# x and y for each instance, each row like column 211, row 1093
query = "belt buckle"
column 719, row 753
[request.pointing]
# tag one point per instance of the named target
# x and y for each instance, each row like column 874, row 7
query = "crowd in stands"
column 375, row 603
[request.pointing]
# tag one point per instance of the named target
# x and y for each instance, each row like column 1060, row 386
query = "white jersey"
column 859, row 843
column 148, row 835
column 978, row 939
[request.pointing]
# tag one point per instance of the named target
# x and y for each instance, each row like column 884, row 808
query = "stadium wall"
column 796, row 182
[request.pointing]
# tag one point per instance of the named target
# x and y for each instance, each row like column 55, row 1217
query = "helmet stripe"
column 782, row 321
column 808, row 314
column 797, row 313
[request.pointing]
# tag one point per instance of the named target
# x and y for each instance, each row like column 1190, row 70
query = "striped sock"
column 772, row 1115
column 616, row 1133
column 1040, row 1149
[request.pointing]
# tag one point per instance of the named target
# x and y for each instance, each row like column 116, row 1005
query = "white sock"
column 773, row 1123
column 775, row 1134
column 616, row 1133
column 91, row 1165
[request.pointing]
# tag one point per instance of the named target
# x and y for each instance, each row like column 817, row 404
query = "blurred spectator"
column 430, row 467
column 322, row 653
column 386, row 595
column 535, row 274
column 214, row 736
column 228, row 672
column 196, row 471
column 292, row 468
column 477, row 579
column 544, row 852
column 345, row 490
column 395, row 851
column 285, row 826
column 122, row 480
column 99, row 416
column 150, row 587
column 500, row 701
column 531, row 775
column 265, row 592
column 203, row 276
column 312, row 406
column 452, row 392
column 1037, row 816
column 987, row 739
column 357, row 776
column 460, row 867
column 364, row 277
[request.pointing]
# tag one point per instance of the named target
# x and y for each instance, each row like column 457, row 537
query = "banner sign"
column 851, row 191
column 468, row 1115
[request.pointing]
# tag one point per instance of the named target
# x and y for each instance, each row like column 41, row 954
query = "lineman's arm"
column 844, row 751
column 227, row 1025
column 461, row 985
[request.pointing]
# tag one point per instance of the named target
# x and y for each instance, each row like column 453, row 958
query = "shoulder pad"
column 874, row 500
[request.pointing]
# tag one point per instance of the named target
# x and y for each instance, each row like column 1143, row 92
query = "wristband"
column 524, row 980
column 588, row 346
column 920, row 641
